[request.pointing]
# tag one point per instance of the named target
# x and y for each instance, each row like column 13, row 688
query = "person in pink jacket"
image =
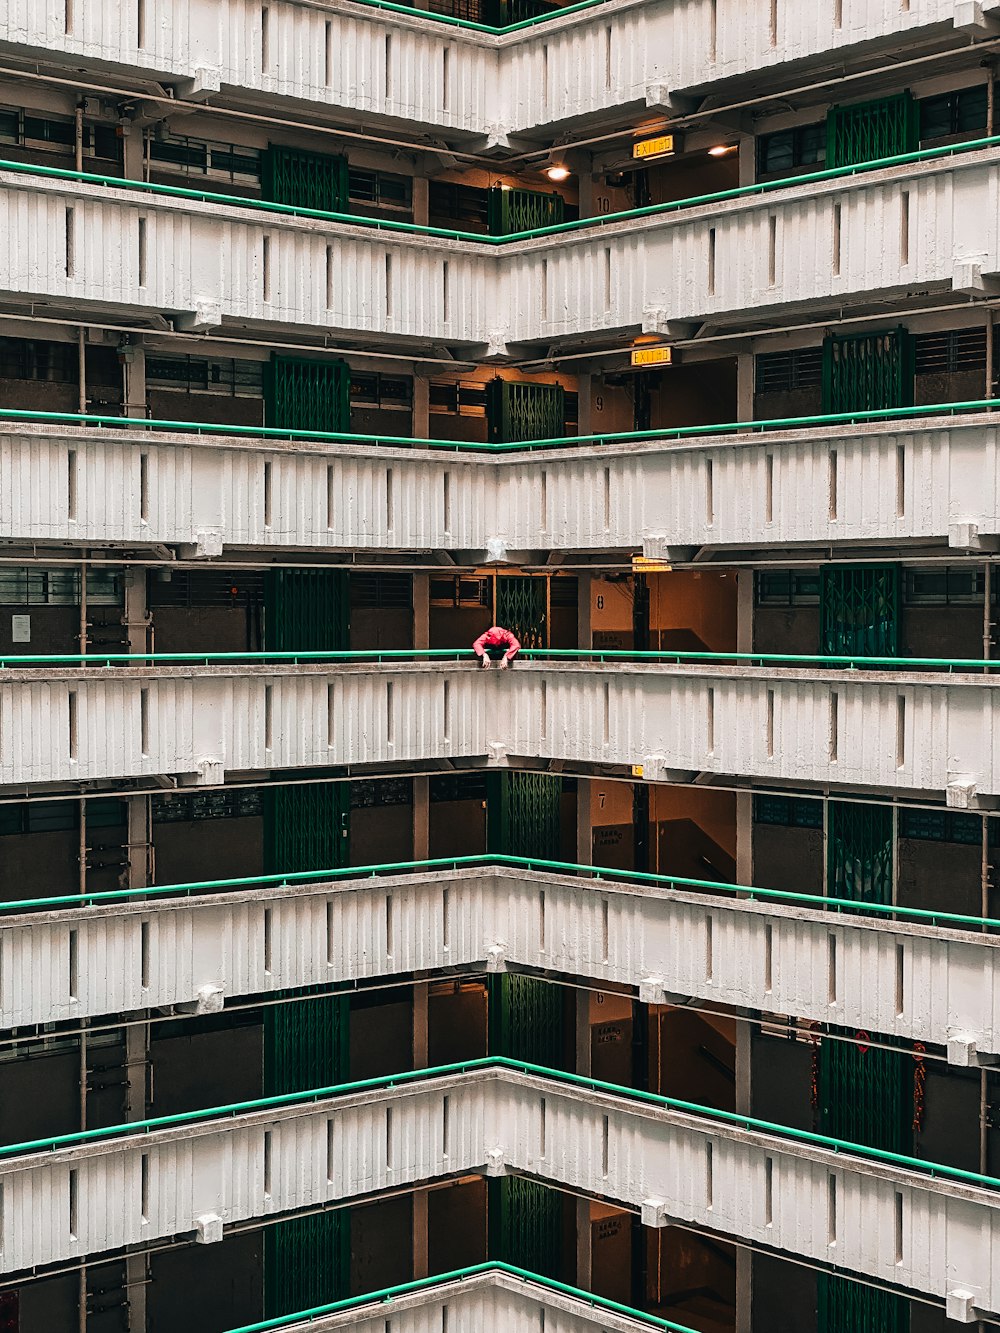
column 497, row 643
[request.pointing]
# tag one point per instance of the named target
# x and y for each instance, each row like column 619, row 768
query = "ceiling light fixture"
column 722, row 150
column 557, row 172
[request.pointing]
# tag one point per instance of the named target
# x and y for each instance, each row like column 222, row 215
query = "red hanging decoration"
column 919, row 1085
column 814, row 1073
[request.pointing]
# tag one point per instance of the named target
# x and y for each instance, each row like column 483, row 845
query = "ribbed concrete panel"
column 917, row 732
column 487, row 1300
column 892, row 482
column 68, row 240
column 567, row 68
column 337, row 1149
column 675, row 1165
column 901, row 978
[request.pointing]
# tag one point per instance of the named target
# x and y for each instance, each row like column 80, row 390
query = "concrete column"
column 134, row 380
column 421, row 408
column 744, row 800
column 744, row 1289
column 421, row 610
column 748, row 159
column 421, row 818
column 136, row 610
column 421, row 186
column 421, row 786
column 584, row 605
column 583, row 1249
column 139, row 863
column 584, row 422
column 133, row 152
column 744, row 386
column 584, row 827
column 421, row 1253
column 588, row 185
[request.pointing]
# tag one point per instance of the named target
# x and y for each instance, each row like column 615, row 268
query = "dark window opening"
column 786, row 587
column 783, row 372
column 208, row 805
column 785, row 152
column 788, row 811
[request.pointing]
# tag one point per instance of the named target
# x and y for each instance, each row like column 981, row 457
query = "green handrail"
column 500, row 1064
column 472, row 25
column 389, row 1294
column 581, row 224
column 378, row 656
column 601, row 875
column 31, row 415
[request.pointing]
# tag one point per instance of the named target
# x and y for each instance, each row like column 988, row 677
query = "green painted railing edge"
column 498, row 1064
column 598, row 876
column 581, row 224
column 451, row 21
column 380, row 656
column 387, row 1295
column 149, row 424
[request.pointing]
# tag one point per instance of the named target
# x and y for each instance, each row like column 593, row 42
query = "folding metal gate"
column 859, row 610
column 307, row 395
column 522, row 607
column 854, row 1307
column 306, row 1041
column 517, row 410
column 867, row 131
column 868, row 372
column 527, row 1016
column 312, row 180
column 525, row 1225
column 865, row 1093
column 523, row 210
column 859, row 849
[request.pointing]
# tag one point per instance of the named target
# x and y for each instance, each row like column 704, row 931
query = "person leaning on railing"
column 497, row 644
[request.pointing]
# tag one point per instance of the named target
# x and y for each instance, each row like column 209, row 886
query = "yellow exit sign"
column 652, row 356
column 654, row 147
column 642, row 565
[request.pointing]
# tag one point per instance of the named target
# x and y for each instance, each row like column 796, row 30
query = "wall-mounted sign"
column 637, row 770
column 652, row 356
column 658, row 147
column 640, row 565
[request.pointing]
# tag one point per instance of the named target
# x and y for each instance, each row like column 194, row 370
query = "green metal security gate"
column 525, row 1225
column 307, row 610
column 859, row 849
column 859, row 610
column 307, row 395
column 312, row 180
column 517, row 411
column 526, row 1015
column 522, row 607
column 868, row 131
column 868, row 372
column 523, row 210
column 853, row 1307
column 306, row 1260
column 865, row 1093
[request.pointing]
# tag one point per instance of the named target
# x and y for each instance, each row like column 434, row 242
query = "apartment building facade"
column 654, row 979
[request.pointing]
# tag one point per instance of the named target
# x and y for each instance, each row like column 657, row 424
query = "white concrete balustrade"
column 880, row 730
column 931, row 479
column 359, row 62
column 490, row 1300
column 904, row 979
column 929, row 1234
column 930, row 224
